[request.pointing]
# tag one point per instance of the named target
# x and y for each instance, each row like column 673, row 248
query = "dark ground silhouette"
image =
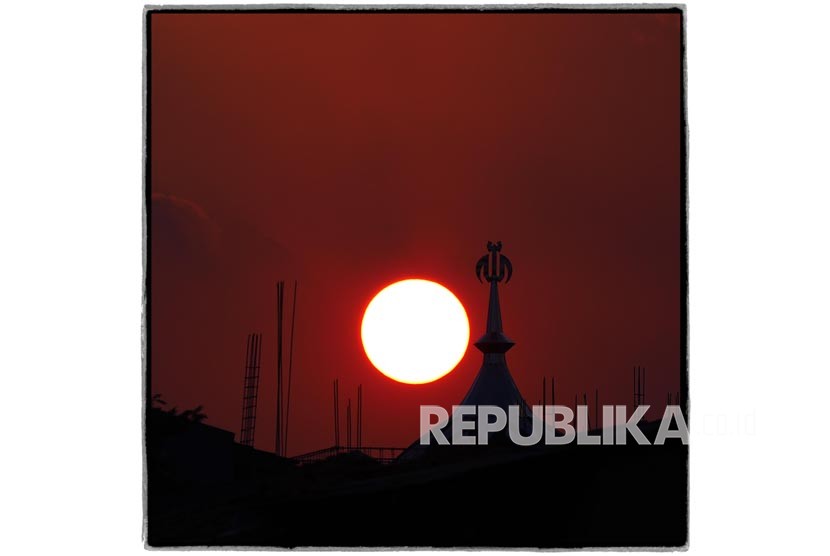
column 203, row 489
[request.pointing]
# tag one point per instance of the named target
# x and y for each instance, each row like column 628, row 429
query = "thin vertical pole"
column 338, row 411
column 334, row 408
column 246, row 366
column 552, row 392
column 290, row 365
column 585, row 402
column 639, row 386
column 258, row 360
column 257, row 338
column 278, row 438
column 257, row 354
column 359, row 414
column 349, row 424
column 337, row 389
column 248, row 376
column 248, row 373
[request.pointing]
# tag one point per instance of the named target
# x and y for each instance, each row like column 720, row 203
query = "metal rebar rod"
column 336, row 413
column 245, row 389
column 585, row 403
column 552, row 392
column 277, row 437
column 256, row 383
column 251, row 392
column 334, row 409
column 290, row 366
column 349, row 424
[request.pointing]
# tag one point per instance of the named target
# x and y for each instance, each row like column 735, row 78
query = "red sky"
column 351, row 150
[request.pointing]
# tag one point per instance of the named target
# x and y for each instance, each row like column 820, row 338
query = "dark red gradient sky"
column 351, row 150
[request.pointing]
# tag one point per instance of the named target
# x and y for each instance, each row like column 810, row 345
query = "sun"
column 415, row 331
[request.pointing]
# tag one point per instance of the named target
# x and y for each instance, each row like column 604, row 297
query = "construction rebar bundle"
column 250, row 389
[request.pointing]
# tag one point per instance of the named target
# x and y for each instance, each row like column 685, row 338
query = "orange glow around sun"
column 415, row 331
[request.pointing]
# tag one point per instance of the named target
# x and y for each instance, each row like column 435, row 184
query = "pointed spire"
column 494, row 311
column 494, row 267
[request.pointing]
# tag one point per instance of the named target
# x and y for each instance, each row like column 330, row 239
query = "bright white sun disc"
column 415, row 331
